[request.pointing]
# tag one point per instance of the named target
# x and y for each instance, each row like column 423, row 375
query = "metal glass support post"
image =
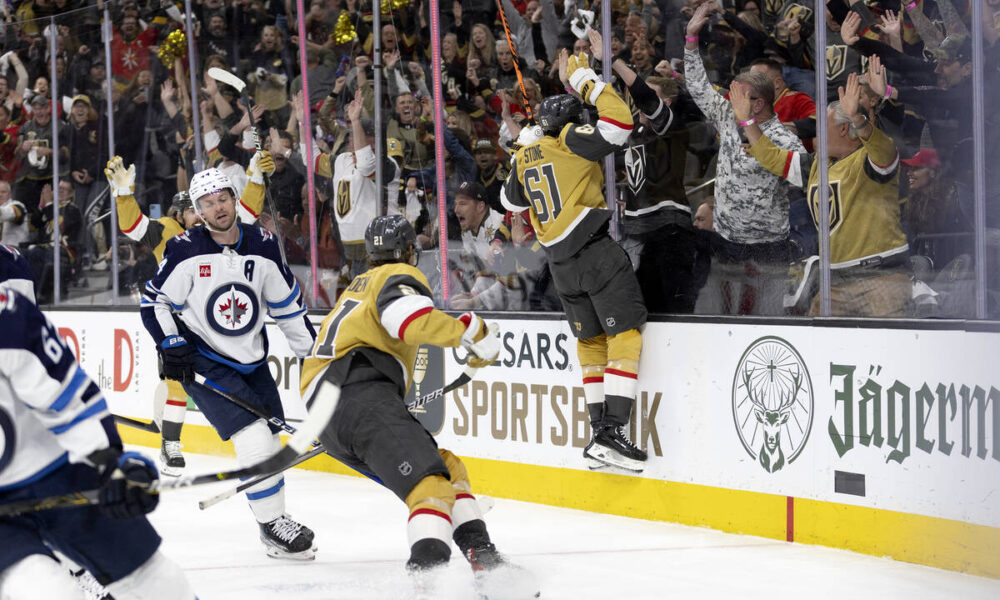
column 54, row 123
column 823, row 156
column 195, row 110
column 308, row 158
column 979, row 156
column 109, row 103
column 439, row 124
column 377, row 74
column 609, row 160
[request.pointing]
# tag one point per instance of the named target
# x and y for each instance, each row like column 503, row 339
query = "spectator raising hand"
column 849, row 28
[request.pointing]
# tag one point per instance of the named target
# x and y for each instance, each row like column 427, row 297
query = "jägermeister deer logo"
column 772, row 400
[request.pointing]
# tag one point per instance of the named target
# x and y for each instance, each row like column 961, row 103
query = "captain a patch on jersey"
column 232, row 309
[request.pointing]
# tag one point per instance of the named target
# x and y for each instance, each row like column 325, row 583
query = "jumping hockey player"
column 154, row 233
column 558, row 180
column 368, row 345
column 59, row 438
column 205, row 311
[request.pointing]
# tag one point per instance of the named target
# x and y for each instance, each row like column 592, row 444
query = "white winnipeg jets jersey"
column 355, row 198
column 216, row 297
column 50, row 410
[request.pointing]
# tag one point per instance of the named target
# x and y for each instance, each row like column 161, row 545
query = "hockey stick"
column 319, row 415
column 461, row 380
column 213, row 500
column 143, row 425
column 224, row 76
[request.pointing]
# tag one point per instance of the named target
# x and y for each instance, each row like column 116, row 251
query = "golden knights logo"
column 635, row 167
column 343, row 198
column 772, row 7
column 836, row 60
column 836, row 205
column 772, row 400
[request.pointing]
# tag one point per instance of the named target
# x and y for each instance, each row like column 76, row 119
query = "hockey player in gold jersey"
column 869, row 255
column 368, row 345
column 558, row 181
column 154, row 233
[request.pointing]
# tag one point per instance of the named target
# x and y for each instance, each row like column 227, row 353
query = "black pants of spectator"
column 666, row 270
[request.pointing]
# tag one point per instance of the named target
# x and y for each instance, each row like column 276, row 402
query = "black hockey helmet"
column 181, row 202
column 388, row 238
column 556, row 111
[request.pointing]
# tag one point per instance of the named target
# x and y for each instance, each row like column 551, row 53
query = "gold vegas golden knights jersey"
column 562, row 183
column 386, row 313
column 864, row 199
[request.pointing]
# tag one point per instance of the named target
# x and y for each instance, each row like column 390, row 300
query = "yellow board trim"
column 932, row 541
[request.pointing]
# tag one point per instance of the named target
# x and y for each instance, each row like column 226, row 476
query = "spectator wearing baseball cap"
column 938, row 231
column 492, row 174
column 484, row 238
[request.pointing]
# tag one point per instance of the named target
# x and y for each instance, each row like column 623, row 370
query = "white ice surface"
column 361, row 536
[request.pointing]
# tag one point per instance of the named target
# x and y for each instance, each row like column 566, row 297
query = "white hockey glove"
column 481, row 340
column 261, row 164
column 122, row 180
column 583, row 79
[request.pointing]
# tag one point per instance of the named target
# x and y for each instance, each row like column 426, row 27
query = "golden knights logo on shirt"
column 836, row 60
column 835, row 202
column 343, row 198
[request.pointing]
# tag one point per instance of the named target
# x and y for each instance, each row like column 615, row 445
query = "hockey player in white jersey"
column 59, row 438
column 205, row 310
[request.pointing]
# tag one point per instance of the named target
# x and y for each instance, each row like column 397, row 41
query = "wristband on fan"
column 888, row 92
column 569, row 90
column 675, row 75
column 690, row 38
column 748, row 122
column 911, row 6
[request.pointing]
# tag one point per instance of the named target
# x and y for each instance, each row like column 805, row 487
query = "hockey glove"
column 583, row 79
column 260, row 164
column 122, row 180
column 481, row 341
column 176, row 360
column 126, row 491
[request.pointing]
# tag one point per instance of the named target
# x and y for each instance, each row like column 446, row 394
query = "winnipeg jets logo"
column 266, row 235
column 635, row 167
column 232, row 309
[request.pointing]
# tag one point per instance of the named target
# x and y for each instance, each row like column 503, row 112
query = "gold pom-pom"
column 173, row 48
column 343, row 31
column 391, row 5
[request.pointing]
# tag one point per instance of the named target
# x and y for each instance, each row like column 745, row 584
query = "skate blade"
column 613, row 459
column 169, row 471
column 278, row 553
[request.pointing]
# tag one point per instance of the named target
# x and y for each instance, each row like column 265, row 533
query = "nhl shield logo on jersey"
column 232, row 309
column 772, row 402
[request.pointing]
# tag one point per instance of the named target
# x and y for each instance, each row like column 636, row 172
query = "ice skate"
column 171, row 460
column 611, row 446
column 286, row 538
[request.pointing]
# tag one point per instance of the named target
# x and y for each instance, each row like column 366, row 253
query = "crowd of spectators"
column 720, row 228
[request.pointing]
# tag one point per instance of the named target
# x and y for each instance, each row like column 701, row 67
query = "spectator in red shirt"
column 9, row 162
column 130, row 49
column 795, row 108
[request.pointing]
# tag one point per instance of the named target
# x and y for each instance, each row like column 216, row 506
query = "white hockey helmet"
column 208, row 182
